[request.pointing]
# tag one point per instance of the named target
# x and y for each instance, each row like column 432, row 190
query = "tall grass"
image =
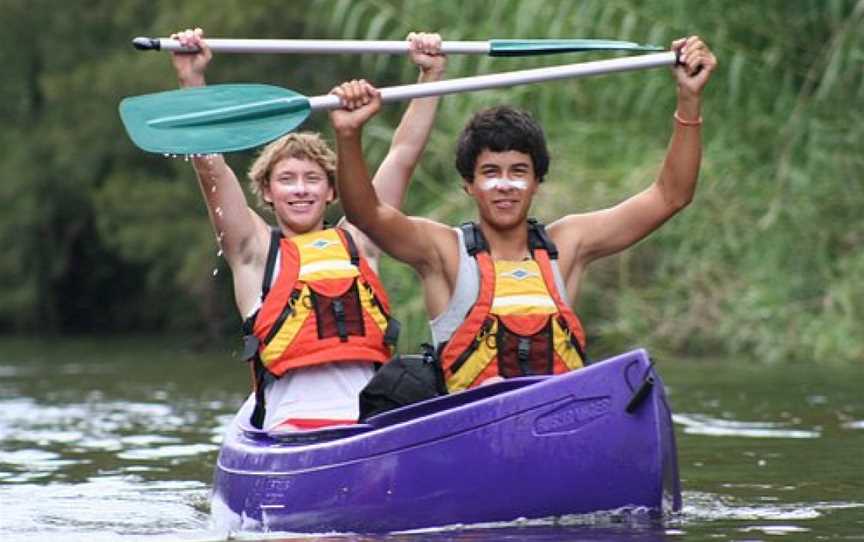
column 765, row 264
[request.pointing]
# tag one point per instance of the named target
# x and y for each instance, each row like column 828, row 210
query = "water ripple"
column 700, row 424
column 165, row 452
column 700, row 507
column 137, row 507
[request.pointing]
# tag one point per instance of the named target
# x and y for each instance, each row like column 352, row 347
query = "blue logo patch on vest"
column 321, row 244
column 519, row 274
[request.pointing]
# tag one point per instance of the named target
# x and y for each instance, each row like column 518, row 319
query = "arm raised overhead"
column 243, row 236
column 414, row 241
column 601, row 233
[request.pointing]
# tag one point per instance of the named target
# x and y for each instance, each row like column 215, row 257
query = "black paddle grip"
column 146, row 44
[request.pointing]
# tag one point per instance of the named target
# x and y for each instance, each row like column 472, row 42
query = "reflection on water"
column 107, row 442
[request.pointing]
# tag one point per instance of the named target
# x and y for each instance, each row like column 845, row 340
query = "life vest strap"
column 473, row 238
column 475, row 344
column 269, row 268
column 351, row 246
column 538, row 237
column 251, row 343
column 338, row 308
column 394, row 327
column 250, row 346
column 263, row 378
column 523, row 354
column 391, row 334
column 287, row 311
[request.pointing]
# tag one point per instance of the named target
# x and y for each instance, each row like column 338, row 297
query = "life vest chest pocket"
column 524, row 355
column 338, row 316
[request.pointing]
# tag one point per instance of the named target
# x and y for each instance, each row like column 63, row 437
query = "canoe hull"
column 525, row 448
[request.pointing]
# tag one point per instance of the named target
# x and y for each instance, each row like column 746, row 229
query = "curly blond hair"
column 301, row 145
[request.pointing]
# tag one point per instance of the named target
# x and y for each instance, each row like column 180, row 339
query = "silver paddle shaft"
column 509, row 79
column 218, row 45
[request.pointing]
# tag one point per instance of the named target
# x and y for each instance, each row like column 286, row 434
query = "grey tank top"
column 465, row 295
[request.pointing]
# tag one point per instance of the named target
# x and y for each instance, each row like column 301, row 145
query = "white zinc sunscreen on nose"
column 504, row 184
column 298, row 187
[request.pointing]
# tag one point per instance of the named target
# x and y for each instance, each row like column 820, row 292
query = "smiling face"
column 503, row 186
column 299, row 192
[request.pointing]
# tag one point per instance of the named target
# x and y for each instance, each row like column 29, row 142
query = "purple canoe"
column 596, row 439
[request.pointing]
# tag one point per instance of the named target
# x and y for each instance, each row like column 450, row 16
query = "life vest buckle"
column 391, row 334
column 339, row 315
column 250, row 347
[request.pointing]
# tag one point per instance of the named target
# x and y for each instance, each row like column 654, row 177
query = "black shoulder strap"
column 473, row 238
column 251, row 343
column 539, row 238
column 275, row 238
column 352, row 248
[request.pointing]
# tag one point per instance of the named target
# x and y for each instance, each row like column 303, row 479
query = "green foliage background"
column 99, row 237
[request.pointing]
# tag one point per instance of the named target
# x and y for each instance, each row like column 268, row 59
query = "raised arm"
column 242, row 235
column 394, row 174
column 611, row 230
column 412, row 240
column 236, row 226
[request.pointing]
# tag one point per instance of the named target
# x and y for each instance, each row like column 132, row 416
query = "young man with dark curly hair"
column 499, row 291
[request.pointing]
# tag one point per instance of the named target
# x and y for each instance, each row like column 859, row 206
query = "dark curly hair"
column 501, row 129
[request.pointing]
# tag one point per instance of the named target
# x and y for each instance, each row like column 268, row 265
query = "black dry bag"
column 402, row 381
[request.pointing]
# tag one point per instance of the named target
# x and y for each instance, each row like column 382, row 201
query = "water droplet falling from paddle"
column 219, row 212
column 219, row 253
column 214, row 272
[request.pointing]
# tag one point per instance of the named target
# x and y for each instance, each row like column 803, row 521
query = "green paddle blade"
column 545, row 47
column 214, row 119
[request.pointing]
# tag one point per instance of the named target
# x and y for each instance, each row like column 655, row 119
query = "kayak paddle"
column 491, row 47
column 233, row 117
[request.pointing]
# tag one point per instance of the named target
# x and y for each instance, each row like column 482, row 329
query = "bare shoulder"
column 437, row 247
column 247, row 270
column 367, row 248
column 245, row 246
column 569, row 234
column 577, row 235
column 440, row 274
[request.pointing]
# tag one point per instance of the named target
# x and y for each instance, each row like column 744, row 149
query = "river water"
column 115, row 439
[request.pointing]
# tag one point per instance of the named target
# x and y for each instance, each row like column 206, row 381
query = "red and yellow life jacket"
column 326, row 306
column 520, row 324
